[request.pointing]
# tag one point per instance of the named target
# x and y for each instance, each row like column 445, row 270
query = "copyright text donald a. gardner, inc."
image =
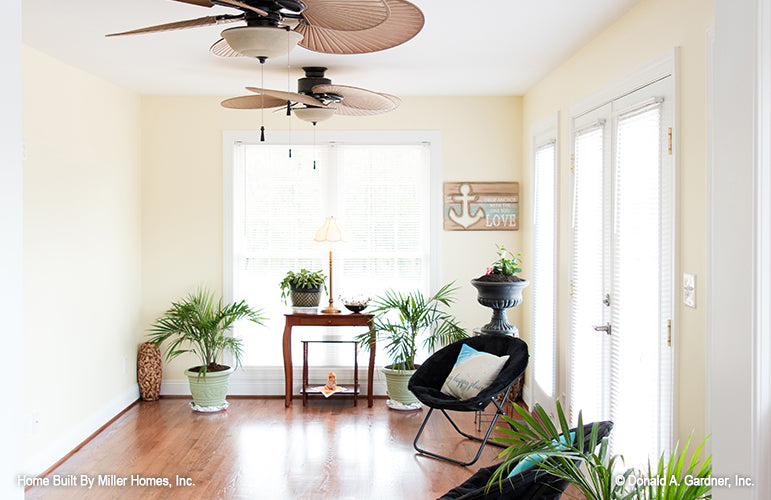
column 688, row 480
column 89, row 481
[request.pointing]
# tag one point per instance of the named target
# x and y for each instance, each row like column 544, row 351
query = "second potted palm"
column 401, row 320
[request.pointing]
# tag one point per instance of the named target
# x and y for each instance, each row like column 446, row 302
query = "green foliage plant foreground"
column 201, row 325
column 401, row 318
column 596, row 473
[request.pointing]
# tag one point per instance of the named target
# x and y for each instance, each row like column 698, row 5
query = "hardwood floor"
column 257, row 449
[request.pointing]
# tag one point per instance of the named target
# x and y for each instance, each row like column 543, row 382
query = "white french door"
column 621, row 270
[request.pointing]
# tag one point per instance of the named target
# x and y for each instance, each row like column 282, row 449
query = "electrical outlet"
column 125, row 365
column 689, row 289
column 35, row 421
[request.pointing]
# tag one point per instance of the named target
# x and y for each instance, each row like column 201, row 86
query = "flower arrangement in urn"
column 504, row 269
column 499, row 289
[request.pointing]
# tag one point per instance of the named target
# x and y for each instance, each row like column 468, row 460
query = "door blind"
column 637, row 312
column 586, row 282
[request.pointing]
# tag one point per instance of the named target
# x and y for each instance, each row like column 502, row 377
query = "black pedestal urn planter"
column 499, row 296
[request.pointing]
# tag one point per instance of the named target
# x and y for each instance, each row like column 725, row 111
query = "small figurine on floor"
column 331, row 382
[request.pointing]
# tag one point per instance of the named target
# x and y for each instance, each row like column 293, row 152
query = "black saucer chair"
column 532, row 484
column 429, row 378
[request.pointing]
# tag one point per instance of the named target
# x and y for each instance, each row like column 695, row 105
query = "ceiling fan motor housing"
column 314, row 75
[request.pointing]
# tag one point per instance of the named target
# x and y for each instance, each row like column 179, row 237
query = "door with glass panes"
column 621, row 270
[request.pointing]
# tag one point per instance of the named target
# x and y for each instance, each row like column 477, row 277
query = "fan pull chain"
column 314, row 146
column 289, row 89
column 262, row 99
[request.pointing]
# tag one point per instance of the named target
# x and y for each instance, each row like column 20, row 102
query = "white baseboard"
column 270, row 381
column 527, row 395
column 63, row 446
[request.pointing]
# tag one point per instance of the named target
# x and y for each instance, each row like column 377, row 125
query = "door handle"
column 607, row 328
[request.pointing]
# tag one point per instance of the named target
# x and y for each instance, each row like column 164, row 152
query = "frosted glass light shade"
column 328, row 231
column 261, row 41
column 313, row 114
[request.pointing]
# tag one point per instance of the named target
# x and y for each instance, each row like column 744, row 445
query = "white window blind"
column 588, row 379
column 544, row 267
column 385, row 209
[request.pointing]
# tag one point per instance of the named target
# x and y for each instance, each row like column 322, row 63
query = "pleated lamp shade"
column 329, row 231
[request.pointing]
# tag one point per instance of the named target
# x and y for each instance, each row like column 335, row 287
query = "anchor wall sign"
column 481, row 206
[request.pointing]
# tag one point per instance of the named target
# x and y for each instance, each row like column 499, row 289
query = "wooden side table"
column 294, row 319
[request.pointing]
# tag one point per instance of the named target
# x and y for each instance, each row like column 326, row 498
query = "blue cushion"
column 536, row 458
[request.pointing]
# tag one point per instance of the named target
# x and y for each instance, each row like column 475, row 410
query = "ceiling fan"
column 273, row 27
column 317, row 99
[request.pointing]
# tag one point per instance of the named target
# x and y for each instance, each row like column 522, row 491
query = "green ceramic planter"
column 396, row 382
column 209, row 390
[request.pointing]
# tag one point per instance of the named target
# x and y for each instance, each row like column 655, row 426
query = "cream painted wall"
column 649, row 30
column 182, row 187
column 11, row 248
column 82, row 254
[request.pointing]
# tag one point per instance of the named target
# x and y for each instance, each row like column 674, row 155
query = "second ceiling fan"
column 317, row 99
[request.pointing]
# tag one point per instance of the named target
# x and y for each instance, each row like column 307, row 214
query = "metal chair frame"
column 499, row 411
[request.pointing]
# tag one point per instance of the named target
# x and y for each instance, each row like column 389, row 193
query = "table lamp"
column 330, row 233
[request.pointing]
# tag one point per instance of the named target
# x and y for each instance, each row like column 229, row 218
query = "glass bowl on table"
column 355, row 305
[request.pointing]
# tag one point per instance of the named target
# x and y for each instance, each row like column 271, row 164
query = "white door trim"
column 739, row 274
column 762, row 287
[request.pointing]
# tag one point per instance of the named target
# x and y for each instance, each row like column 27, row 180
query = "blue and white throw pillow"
column 473, row 371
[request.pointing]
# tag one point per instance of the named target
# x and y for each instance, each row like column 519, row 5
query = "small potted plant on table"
column 399, row 320
column 201, row 325
column 499, row 289
column 303, row 288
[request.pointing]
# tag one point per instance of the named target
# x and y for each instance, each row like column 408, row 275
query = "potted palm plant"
column 303, row 287
column 536, row 440
column 400, row 320
column 201, row 325
column 499, row 289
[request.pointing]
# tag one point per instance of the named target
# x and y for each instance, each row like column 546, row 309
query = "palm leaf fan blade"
column 346, row 15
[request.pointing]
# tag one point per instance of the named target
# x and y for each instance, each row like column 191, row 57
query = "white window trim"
column 666, row 65
column 660, row 67
column 270, row 380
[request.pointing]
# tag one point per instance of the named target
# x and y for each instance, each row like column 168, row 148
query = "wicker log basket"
column 149, row 371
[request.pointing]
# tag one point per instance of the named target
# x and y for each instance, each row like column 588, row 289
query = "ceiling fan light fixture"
column 314, row 114
column 261, row 42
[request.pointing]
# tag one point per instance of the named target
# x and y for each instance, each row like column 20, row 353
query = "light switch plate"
column 689, row 289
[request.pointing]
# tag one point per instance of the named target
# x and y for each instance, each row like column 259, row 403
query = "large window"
column 544, row 258
column 379, row 187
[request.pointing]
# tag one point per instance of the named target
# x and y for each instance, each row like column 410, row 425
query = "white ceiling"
column 467, row 47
